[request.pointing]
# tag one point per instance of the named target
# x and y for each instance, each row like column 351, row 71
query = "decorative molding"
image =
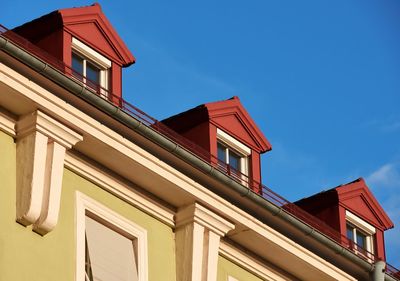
column 85, row 205
column 41, row 145
column 119, row 189
column 7, row 124
column 359, row 222
column 232, row 142
column 197, row 243
column 251, row 264
column 204, row 217
column 39, row 122
column 90, row 53
column 31, row 161
column 52, row 188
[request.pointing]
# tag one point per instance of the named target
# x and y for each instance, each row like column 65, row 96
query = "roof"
column 228, row 115
column 88, row 24
column 356, row 197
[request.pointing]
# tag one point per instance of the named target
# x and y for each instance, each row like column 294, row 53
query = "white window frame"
column 88, row 54
column 238, row 147
column 361, row 225
column 86, row 205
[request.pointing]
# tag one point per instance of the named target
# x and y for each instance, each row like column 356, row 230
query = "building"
column 95, row 189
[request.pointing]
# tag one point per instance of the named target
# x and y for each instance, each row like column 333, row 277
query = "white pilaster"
column 41, row 146
column 198, row 233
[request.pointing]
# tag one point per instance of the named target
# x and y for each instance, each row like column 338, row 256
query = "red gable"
column 357, row 198
column 232, row 117
column 88, row 24
column 228, row 115
column 91, row 26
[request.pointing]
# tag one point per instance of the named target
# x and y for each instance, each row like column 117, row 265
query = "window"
column 90, row 67
column 360, row 232
column 356, row 235
column 233, row 153
column 109, row 247
column 229, row 156
column 86, row 69
column 109, row 255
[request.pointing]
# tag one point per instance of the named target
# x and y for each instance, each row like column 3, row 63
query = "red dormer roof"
column 88, row 24
column 232, row 117
column 358, row 199
column 354, row 196
column 228, row 115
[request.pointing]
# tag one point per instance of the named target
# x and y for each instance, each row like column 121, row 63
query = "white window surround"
column 230, row 278
column 232, row 142
column 86, row 205
column 90, row 53
column 360, row 223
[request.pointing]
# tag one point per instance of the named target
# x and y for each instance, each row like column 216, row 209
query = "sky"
column 320, row 78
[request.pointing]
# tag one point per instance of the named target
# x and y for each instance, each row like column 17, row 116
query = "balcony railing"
column 237, row 176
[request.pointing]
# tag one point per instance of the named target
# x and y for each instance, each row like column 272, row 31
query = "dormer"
column 353, row 211
column 227, row 132
column 84, row 40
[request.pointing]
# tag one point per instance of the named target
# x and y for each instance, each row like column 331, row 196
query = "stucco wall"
column 25, row 255
column 227, row 268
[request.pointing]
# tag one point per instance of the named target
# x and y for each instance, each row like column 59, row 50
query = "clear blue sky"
column 320, row 78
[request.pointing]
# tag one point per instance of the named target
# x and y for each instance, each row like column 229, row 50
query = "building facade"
column 95, row 189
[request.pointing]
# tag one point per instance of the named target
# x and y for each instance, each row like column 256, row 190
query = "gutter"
column 376, row 270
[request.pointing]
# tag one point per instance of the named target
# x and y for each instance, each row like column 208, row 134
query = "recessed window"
column 90, row 67
column 86, row 71
column 109, row 247
column 357, row 236
column 360, row 233
column 234, row 155
column 229, row 156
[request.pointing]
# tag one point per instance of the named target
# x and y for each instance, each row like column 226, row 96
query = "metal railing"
column 205, row 155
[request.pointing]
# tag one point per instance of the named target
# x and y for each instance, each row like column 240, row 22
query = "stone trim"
column 41, row 146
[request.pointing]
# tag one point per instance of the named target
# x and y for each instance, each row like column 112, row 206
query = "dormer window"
column 233, row 153
column 228, row 156
column 90, row 67
column 360, row 232
column 356, row 235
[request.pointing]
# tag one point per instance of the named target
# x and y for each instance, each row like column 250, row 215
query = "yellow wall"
column 25, row 255
column 227, row 268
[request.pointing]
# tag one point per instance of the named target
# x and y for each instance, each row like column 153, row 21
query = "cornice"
column 201, row 215
column 38, row 121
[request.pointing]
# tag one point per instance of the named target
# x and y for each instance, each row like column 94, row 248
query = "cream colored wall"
column 25, row 255
column 227, row 268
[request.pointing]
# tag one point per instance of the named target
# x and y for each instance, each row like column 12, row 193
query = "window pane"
column 361, row 240
column 350, row 234
column 234, row 160
column 77, row 66
column 92, row 73
column 112, row 256
column 221, row 153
